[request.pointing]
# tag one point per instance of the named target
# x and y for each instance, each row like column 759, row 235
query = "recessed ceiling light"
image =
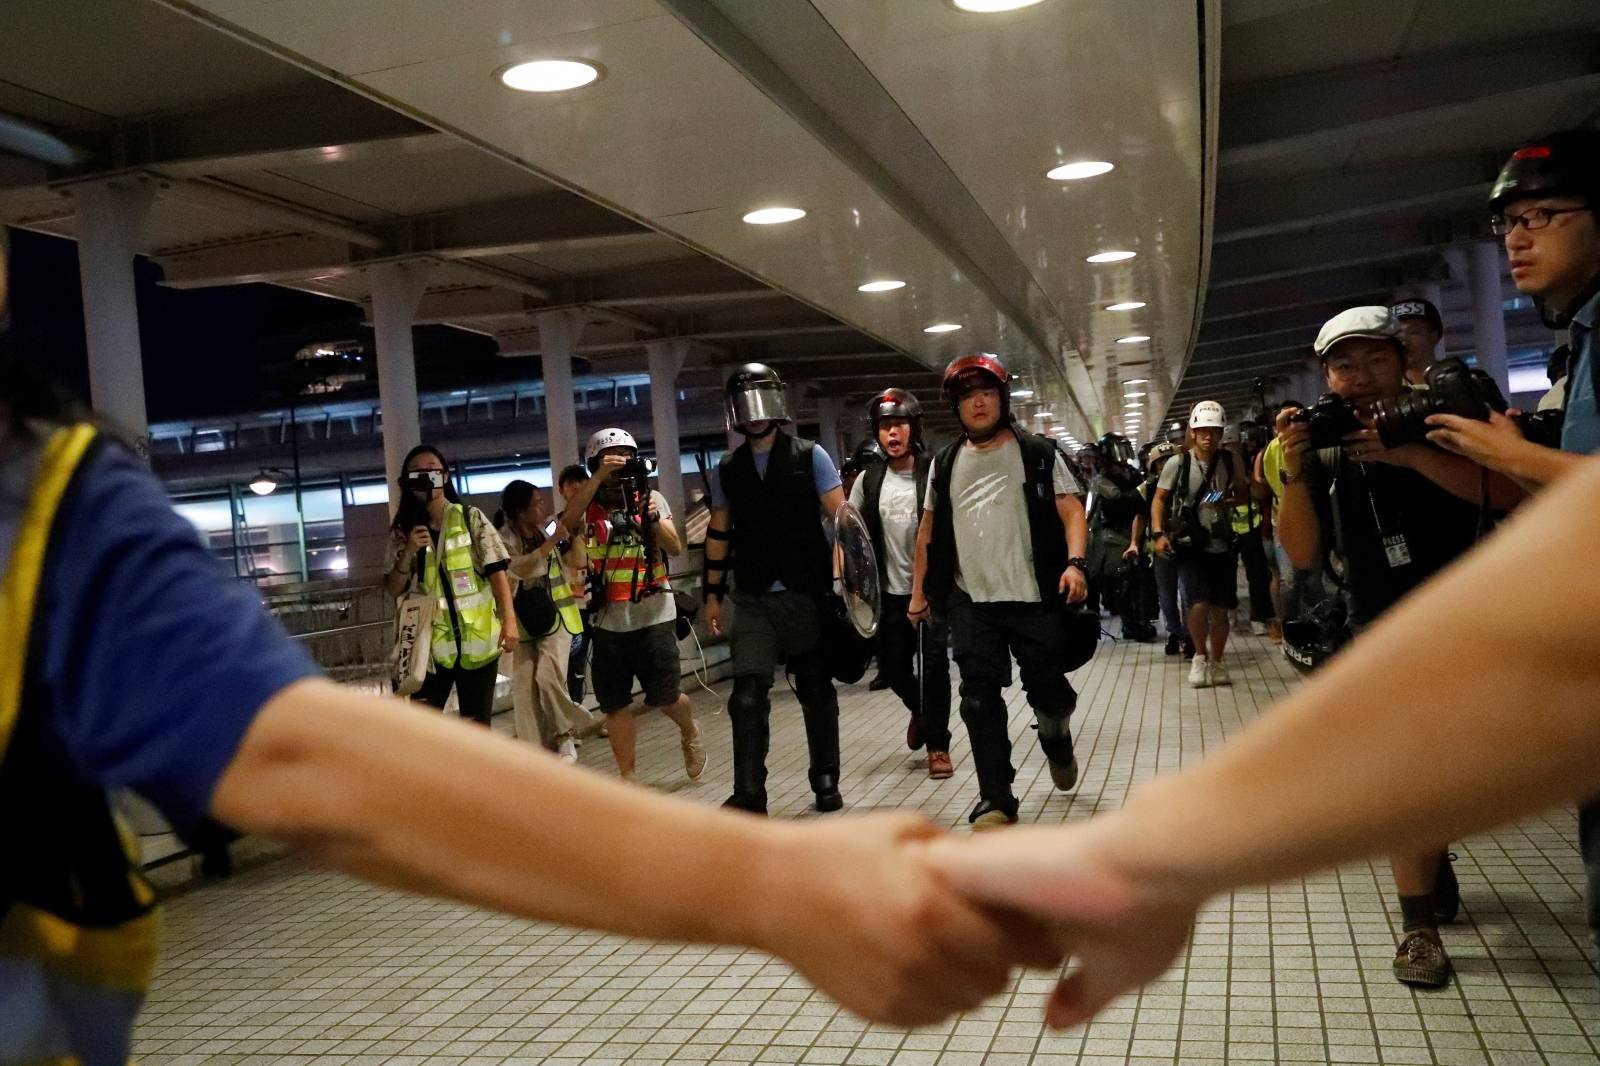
column 1134, row 403
column 942, row 327
column 1132, row 395
column 1111, row 257
column 1134, row 338
column 1088, row 168
column 1021, row 394
column 772, row 216
column 1126, row 305
column 549, row 75
column 886, row 285
column 990, row 7
column 1137, row 381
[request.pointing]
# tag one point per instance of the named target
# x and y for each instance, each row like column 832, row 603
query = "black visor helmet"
column 1115, row 449
column 755, row 393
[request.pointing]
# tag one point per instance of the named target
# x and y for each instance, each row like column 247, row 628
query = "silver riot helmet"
column 755, row 393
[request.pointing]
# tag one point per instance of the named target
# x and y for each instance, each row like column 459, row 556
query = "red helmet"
column 969, row 371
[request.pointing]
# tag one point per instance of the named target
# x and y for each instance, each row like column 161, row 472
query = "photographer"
column 1293, row 590
column 769, row 500
column 1252, row 531
column 1393, row 517
column 889, row 495
column 1421, row 330
column 1191, row 519
column 1163, row 567
column 474, row 621
column 1544, row 203
column 542, row 712
column 1000, row 554
column 632, row 614
column 1113, row 503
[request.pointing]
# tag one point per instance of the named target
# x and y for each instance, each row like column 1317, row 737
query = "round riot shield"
column 857, row 566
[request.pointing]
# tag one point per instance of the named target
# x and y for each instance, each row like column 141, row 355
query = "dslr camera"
column 1454, row 388
column 1330, row 418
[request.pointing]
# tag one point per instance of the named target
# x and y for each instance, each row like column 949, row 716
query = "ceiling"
column 1357, row 143
column 298, row 142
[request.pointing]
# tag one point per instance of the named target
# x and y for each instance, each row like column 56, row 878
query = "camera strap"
column 1395, row 549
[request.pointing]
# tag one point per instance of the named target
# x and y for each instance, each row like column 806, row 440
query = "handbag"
column 412, row 655
column 535, row 608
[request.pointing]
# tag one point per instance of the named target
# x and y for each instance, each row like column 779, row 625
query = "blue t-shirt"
column 155, row 660
column 824, row 475
column 1580, row 430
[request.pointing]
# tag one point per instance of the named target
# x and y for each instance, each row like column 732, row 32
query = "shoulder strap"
column 62, row 458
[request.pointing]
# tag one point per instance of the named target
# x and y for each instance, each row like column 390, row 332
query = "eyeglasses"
column 1530, row 220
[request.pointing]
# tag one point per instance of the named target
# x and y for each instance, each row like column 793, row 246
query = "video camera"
column 632, row 480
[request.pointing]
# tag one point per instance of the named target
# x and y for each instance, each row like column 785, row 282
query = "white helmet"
column 608, row 438
column 1207, row 413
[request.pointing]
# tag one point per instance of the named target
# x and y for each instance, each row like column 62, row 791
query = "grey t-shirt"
column 897, row 509
column 994, row 550
column 1198, row 488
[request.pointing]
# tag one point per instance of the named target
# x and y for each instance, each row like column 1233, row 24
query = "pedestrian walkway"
column 285, row 964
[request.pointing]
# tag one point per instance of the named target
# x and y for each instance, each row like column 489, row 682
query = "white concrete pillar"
column 666, row 359
column 1488, row 312
column 396, row 290
column 830, row 409
column 1478, row 266
column 559, row 332
column 108, row 219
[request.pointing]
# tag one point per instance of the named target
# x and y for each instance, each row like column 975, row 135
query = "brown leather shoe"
column 1421, row 960
column 939, row 766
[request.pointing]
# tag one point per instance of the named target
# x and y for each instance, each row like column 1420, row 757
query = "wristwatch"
column 1081, row 563
column 1289, row 479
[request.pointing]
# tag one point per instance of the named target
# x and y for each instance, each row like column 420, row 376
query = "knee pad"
column 749, row 697
column 978, row 702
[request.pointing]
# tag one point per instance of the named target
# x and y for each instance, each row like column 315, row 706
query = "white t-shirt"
column 897, row 510
column 994, row 547
column 626, row 617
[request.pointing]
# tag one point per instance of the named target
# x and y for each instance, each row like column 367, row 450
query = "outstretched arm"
column 1331, row 773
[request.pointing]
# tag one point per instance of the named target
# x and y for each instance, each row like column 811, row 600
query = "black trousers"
column 897, row 660
column 1258, row 574
column 984, row 637
column 474, row 690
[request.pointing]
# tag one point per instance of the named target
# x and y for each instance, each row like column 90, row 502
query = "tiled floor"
column 285, row 965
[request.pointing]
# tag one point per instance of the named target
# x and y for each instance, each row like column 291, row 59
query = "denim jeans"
column 1298, row 590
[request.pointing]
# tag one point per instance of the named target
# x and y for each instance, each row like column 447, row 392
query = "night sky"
column 215, row 351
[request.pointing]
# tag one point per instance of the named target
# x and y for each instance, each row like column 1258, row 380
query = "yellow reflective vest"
column 617, row 562
column 466, row 626
column 79, row 932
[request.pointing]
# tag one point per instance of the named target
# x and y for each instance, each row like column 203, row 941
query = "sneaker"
column 1446, row 891
column 878, row 684
column 914, row 733
column 1198, row 674
column 694, row 753
column 1187, row 648
column 568, row 750
column 939, row 765
column 1173, row 643
column 1064, row 774
column 1258, row 629
column 1421, row 960
column 630, row 777
column 1217, row 673
column 986, row 816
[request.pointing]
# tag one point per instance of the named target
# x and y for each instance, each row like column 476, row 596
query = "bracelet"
column 1080, row 562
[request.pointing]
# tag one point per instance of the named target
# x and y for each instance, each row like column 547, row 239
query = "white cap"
column 1207, row 413
column 1373, row 323
column 608, row 438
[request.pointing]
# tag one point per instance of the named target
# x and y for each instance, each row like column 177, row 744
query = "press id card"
column 461, row 583
column 1394, row 548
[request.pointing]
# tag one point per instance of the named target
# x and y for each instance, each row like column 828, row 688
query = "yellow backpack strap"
column 19, row 592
